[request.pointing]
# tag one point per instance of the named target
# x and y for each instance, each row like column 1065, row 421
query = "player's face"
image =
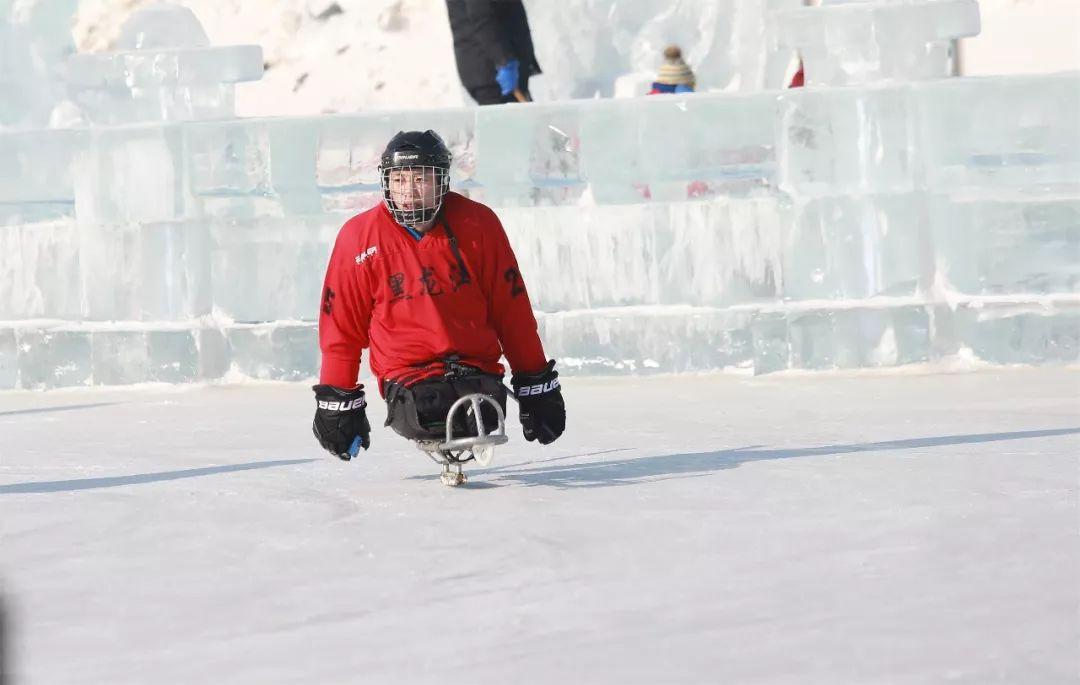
column 413, row 188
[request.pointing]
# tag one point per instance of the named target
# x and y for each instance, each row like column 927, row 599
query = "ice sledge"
column 455, row 451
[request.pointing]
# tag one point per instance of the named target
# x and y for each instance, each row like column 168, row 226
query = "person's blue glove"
column 507, row 76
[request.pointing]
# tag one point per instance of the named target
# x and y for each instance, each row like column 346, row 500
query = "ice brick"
column 172, row 356
column 229, row 168
column 859, row 337
column 110, row 258
column 174, row 271
column 36, row 176
column 720, row 252
column 715, row 252
column 853, row 247
column 275, row 351
column 120, row 357
column 309, row 165
column 841, row 338
column 611, row 152
column 1031, row 333
column 529, row 156
column 9, row 359
column 151, row 271
column 850, row 140
column 860, row 43
column 824, row 340
column 292, row 166
column 39, row 271
column 1001, row 131
column 112, row 183
column 270, row 269
column 615, row 168
column 769, row 339
column 261, row 167
column 680, row 140
column 912, row 337
column 586, row 257
column 647, row 340
column 1007, row 243
column 113, row 107
column 213, row 353
column 51, row 358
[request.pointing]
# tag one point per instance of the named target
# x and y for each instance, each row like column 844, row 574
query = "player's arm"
column 344, row 316
column 341, row 424
column 534, row 378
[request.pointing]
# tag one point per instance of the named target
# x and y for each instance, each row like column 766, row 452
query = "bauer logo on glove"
column 346, row 405
column 538, row 389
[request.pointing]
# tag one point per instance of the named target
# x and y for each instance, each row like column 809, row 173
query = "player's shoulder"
column 364, row 226
column 461, row 210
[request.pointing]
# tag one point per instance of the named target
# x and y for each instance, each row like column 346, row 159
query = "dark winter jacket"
column 488, row 34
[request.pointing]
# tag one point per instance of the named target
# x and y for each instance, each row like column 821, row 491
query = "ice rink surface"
column 693, row 529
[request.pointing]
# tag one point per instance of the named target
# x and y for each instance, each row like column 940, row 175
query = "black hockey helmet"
column 416, row 148
column 423, row 152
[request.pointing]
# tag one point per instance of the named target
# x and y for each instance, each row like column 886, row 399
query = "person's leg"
column 419, row 411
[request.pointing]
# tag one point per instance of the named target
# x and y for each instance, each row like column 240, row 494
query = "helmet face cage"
column 415, row 195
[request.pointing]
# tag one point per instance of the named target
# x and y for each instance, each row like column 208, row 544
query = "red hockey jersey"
column 415, row 303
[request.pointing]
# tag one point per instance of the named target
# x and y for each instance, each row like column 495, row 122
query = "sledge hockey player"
column 427, row 282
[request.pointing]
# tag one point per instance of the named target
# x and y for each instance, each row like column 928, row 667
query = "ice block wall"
column 855, row 42
column 35, row 41
column 163, row 69
column 818, row 228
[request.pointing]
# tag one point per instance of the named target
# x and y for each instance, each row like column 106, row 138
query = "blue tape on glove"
column 354, row 448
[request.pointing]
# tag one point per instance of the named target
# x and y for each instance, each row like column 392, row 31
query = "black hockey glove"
column 540, row 404
column 340, row 420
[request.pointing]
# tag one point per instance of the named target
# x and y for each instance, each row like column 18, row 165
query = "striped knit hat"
column 674, row 71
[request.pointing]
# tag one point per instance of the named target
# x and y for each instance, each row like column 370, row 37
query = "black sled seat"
column 419, row 411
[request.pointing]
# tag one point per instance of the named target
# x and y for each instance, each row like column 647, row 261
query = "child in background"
column 675, row 75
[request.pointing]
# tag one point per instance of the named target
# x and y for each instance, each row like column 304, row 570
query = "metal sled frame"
column 453, row 452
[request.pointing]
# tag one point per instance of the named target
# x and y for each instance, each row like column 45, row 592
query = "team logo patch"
column 362, row 257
